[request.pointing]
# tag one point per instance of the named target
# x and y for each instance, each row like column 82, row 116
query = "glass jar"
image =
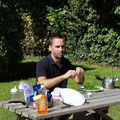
column 14, row 93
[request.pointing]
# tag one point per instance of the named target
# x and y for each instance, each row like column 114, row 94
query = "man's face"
column 57, row 47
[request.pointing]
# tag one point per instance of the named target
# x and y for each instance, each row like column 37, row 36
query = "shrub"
column 11, row 33
column 90, row 34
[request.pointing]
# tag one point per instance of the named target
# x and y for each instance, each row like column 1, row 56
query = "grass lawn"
column 90, row 72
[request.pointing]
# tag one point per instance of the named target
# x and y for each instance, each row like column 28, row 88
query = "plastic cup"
column 57, row 104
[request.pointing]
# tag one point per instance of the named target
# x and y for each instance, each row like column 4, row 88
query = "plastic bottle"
column 42, row 106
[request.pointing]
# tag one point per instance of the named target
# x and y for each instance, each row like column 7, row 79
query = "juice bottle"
column 42, row 105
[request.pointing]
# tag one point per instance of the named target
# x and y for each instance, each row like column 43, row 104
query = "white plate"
column 70, row 96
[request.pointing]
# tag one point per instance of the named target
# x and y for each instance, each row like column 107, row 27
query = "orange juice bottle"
column 42, row 105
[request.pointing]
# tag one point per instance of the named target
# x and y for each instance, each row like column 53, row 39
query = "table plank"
column 105, row 93
column 7, row 105
column 26, row 113
column 15, row 107
column 1, row 103
column 20, row 110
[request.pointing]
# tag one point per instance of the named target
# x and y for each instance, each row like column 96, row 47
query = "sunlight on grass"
column 90, row 72
column 114, row 112
column 7, row 115
column 8, row 85
column 34, row 59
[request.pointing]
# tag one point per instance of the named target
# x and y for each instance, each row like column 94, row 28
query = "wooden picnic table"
column 97, row 100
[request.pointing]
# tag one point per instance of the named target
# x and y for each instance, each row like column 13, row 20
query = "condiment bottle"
column 42, row 105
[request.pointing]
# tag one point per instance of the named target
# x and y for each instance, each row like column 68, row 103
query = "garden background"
column 91, row 28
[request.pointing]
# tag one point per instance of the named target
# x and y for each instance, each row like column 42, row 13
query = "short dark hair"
column 52, row 36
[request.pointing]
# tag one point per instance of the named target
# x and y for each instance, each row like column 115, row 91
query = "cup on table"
column 57, row 104
column 21, row 95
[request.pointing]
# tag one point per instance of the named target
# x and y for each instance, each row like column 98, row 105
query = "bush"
column 11, row 33
column 90, row 34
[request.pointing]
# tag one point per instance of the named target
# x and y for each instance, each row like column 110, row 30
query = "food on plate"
column 91, row 87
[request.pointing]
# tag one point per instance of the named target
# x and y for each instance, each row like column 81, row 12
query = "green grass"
column 32, row 59
column 90, row 72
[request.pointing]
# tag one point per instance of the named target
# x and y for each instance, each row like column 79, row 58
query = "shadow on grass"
column 21, row 71
column 28, row 70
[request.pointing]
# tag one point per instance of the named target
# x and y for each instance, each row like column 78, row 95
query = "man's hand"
column 79, row 71
column 79, row 76
column 70, row 73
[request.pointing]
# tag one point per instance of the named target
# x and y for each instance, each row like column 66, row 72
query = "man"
column 55, row 69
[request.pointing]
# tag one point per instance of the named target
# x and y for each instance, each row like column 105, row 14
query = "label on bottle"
column 42, row 104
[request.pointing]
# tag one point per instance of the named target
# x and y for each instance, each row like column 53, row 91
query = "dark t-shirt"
column 46, row 67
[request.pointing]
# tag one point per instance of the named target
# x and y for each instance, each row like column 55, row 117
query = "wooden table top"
column 97, row 100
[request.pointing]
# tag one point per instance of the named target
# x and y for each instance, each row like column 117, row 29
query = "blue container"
column 49, row 96
column 36, row 89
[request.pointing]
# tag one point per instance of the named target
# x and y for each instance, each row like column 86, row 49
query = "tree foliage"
column 11, row 33
column 92, row 30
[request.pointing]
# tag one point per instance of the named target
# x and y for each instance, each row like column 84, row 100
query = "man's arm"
column 48, row 83
column 54, row 81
